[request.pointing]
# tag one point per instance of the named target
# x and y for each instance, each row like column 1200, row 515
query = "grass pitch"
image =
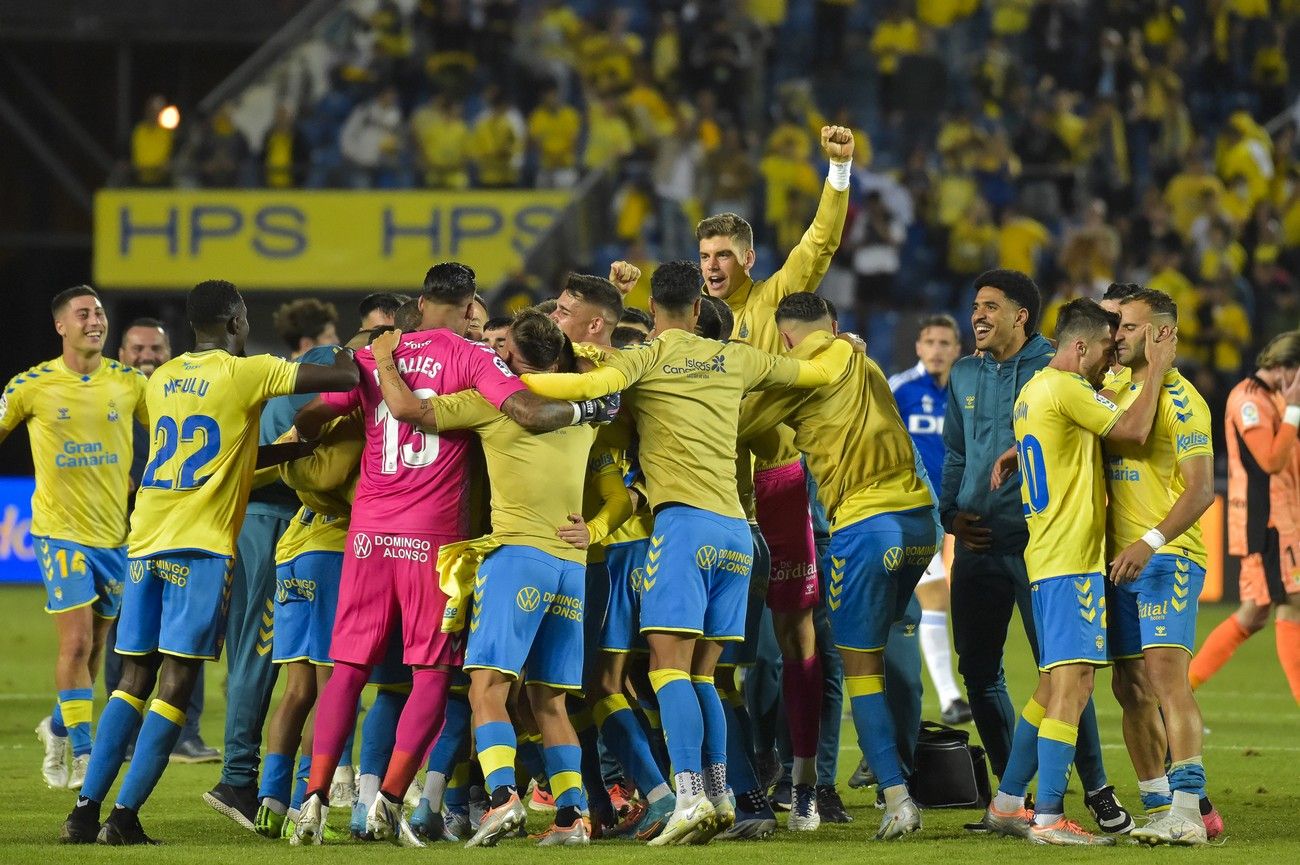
column 1252, row 756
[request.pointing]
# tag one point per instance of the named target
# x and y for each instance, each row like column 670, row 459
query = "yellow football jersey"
column 753, row 304
column 204, row 407
column 536, row 478
column 684, row 392
column 80, row 432
column 1143, row 480
column 325, row 481
column 857, row 446
column 1058, row 421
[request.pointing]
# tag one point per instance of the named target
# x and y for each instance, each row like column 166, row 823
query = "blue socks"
column 680, row 710
column 117, row 728
column 277, row 778
column 1022, row 764
column 379, row 732
column 496, row 753
column 715, row 721
column 875, row 726
column 1056, row 740
column 622, row 733
column 56, row 720
column 158, row 735
column 564, row 767
column 76, row 708
column 300, row 781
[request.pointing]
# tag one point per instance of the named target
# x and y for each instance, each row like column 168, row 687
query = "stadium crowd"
column 1081, row 143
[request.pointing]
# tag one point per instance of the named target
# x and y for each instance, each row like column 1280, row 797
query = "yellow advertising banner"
column 174, row 238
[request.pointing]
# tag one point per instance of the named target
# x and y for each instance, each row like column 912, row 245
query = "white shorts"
column 935, row 571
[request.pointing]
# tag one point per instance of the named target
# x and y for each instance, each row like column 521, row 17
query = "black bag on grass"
column 950, row 772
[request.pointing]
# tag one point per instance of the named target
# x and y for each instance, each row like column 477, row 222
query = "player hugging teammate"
column 551, row 553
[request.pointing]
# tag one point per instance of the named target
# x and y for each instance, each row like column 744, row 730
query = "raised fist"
column 624, row 276
column 837, row 142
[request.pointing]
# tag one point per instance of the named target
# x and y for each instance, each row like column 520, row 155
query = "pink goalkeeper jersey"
column 410, row 480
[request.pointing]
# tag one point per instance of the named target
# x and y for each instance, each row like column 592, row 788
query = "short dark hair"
column 305, row 317
column 1160, row 303
column 212, row 303
column 538, row 339
column 1121, row 290
column 638, row 315
column 802, row 306
column 545, row 307
column 624, row 336
column 676, row 285
column 831, row 310
column 387, row 301
column 497, row 323
column 716, row 320
column 1083, row 316
column 941, row 319
column 408, row 317
column 374, row 332
column 1019, row 288
column 597, row 291
column 450, row 283
column 63, row 298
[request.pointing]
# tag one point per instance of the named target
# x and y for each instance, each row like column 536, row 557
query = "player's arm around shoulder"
column 615, row 374
column 808, row 261
column 342, row 374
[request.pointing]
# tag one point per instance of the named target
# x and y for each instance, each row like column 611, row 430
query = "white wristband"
column 1154, row 539
column 577, row 414
column 838, row 175
column 1292, row 415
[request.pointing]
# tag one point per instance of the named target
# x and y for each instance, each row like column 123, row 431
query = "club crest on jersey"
column 361, row 546
column 112, row 411
column 528, row 598
column 744, row 331
column 892, row 558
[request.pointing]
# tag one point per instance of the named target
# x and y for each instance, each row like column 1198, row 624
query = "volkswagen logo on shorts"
column 893, row 558
column 637, row 576
column 137, row 570
column 361, row 546
column 706, row 557
column 528, row 598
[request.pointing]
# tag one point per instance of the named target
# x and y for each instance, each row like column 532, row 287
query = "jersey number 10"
column 1034, row 471
column 197, row 429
